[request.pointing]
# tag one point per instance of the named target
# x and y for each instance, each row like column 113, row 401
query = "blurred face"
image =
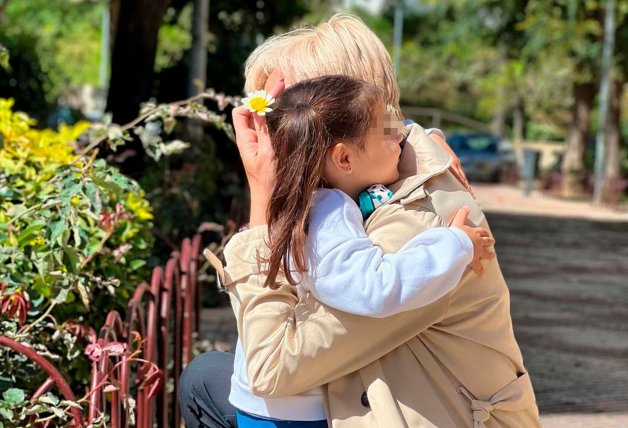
column 377, row 162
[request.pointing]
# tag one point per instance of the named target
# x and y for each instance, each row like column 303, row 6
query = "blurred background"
column 531, row 93
column 518, row 84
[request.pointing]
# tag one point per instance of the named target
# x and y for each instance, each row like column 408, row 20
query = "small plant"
column 74, row 242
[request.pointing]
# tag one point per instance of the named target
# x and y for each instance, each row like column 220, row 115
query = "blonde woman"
column 452, row 363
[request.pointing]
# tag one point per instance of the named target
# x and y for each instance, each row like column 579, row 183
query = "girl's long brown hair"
column 306, row 121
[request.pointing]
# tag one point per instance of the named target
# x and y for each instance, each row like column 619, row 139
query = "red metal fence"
column 137, row 359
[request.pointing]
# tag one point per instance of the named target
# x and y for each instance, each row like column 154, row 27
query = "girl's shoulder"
column 331, row 196
column 333, row 207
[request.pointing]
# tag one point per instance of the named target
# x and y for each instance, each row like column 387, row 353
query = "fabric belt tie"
column 515, row 396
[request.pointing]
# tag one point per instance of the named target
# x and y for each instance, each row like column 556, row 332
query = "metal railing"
column 137, row 359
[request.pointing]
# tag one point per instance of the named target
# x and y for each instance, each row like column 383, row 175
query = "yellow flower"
column 37, row 241
column 138, row 206
column 258, row 102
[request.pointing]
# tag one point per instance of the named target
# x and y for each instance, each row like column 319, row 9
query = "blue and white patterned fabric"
column 372, row 198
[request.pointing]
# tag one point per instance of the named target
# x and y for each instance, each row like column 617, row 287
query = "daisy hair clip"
column 258, row 102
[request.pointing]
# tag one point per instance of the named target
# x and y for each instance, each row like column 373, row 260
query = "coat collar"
column 421, row 160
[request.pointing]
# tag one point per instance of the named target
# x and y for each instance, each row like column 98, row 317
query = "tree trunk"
column 132, row 64
column 114, row 12
column 612, row 167
column 198, row 67
column 518, row 120
column 498, row 123
column 573, row 161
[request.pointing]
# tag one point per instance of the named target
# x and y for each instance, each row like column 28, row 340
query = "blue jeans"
column 246, row 420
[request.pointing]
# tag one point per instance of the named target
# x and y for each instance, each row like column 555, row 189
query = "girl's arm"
column 349, row 273
column 293, row 344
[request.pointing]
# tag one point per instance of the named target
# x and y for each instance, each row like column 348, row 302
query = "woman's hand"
column 456, row 166
column 257, row 156
column 482, row 241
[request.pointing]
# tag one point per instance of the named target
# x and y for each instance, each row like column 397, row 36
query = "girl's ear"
column 338, row 165
column 340, row 157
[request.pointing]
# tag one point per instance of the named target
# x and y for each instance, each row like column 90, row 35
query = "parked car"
column 484, row 157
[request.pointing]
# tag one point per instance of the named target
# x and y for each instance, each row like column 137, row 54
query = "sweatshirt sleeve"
column 348, row 272
column 295, row 343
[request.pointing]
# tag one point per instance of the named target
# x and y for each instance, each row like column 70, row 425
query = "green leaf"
column 100, row 163
column 136, row 264
column 61, row 297
column 16, row 210
column 37, row 408
column 42, row 288
column 49, row 398
column 6, row 413
column 42, row 262
column 92, row 246
column 83, row 294
column 94, row 197
column 13, row 396
column 73, row 259
column 122, row 181
column 7, row 193
column 141, row 244
column 56, row 228
column 69, row 192
column 76, row 232
column 73, row 404
column 57, row 412
column 57, row 253
column 4, row 58
column 27, row 234
column 169, row 124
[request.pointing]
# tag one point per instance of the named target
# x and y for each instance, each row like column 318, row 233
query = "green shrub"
column 74, row 242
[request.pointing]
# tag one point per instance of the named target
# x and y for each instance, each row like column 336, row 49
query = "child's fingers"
column 487, row 241
column 485, row 253
column 460, row 217
column 482, row 232
column 477, row 267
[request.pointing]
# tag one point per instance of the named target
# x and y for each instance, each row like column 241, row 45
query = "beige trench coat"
column 453, row 363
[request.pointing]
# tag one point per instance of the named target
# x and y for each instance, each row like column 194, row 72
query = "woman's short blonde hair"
column 342, row 45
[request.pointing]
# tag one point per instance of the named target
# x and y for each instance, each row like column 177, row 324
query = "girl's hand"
column 257, row 156
column 482, row 241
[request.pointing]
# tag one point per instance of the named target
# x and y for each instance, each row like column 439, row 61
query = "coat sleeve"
column 350, row 273
column 291, row 344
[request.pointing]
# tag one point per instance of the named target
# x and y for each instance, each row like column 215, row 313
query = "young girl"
column 332, row 139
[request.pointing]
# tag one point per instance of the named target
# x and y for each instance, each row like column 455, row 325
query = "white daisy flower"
column 258, row 102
